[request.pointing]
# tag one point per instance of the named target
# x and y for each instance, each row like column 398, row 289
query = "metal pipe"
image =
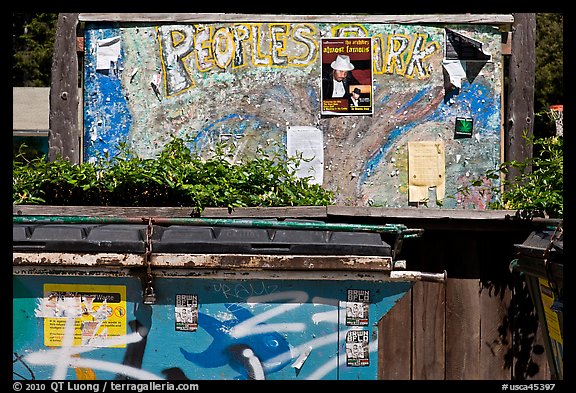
column 418, row 276
column 252, row 223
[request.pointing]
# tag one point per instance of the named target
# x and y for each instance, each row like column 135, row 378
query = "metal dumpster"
column 202, row 299
column 540, row 260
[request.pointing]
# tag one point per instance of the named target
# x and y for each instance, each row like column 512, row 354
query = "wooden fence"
column 478, row 325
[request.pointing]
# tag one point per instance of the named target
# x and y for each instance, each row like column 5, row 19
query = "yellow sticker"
column 83, row 315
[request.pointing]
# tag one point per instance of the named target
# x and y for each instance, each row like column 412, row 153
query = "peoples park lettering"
column 209, row 48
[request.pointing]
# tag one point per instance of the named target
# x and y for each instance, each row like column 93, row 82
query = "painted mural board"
column 250, row 83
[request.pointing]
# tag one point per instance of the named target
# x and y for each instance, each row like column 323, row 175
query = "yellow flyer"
column 553, row 324
column 551, row 317
column 83, row 315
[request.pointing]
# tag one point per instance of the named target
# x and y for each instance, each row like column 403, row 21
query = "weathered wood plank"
column 541, row 367
column 394, row 341
column 333, row 212
column 467, row 214
column 146, row 212
column 268, row 212
column 462, row 329
column 428, row 338
column 64, row 134
column 288, row 211
column 495, row 255
column 488, row 19
column 541, row 356
column 495, row 338
column 520, row 116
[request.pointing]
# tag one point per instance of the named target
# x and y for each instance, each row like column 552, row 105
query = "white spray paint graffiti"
column 64, row 358
column 248, row 327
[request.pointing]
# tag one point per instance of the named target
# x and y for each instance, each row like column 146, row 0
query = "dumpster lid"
column 542, row 244
column 131, row 238
column 542, row 254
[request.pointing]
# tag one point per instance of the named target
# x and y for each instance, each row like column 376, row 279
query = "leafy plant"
column 177, row 177
column 537, row 190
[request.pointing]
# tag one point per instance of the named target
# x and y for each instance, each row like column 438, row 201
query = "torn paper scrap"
column 302, row 358
column 107, row 52
column 456, row 72
column 426, row 168
column 307, row 142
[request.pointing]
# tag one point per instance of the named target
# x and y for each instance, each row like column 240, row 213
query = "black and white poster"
column 186, row 313
column 357, row 306
column 357, row 351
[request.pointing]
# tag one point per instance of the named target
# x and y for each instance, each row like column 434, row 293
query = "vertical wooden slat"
column 495, row 304
column 64, row 134
column 462, row 329
column 428, row 320
column 495, row 337
column 520, row 116
column 395, row 341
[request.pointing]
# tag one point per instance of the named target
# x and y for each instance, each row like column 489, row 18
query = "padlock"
column 149, row 295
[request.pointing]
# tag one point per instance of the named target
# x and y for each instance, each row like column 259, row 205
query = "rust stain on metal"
column 208, row 261
column 278, row 262
column 77, row 259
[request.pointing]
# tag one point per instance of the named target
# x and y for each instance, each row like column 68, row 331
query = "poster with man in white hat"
column 347, row 76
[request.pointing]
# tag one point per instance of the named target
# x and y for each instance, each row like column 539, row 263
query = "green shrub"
column 177, row 177
column 537, row 190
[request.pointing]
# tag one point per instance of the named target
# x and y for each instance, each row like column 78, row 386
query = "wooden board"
column 394, row 341
column 462, row 329
column 428, row 331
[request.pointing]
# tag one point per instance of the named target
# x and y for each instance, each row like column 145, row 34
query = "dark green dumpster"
column 540, row 260
column 204, row 299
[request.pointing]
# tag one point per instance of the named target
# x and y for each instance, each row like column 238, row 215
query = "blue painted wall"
column 246, row 329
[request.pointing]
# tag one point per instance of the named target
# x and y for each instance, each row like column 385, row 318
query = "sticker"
column 186, row 313
column 357, row 348
column 460, row 47
column 94, row 314
column 464, row 126
column 357, row 306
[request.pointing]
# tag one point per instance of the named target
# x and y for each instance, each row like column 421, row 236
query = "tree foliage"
column 549, row 76
column 33, row 37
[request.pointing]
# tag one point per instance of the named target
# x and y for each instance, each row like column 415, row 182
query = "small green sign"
column 464, row 126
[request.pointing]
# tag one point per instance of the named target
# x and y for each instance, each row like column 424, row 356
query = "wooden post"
column 520, row 113
column 63, row 137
